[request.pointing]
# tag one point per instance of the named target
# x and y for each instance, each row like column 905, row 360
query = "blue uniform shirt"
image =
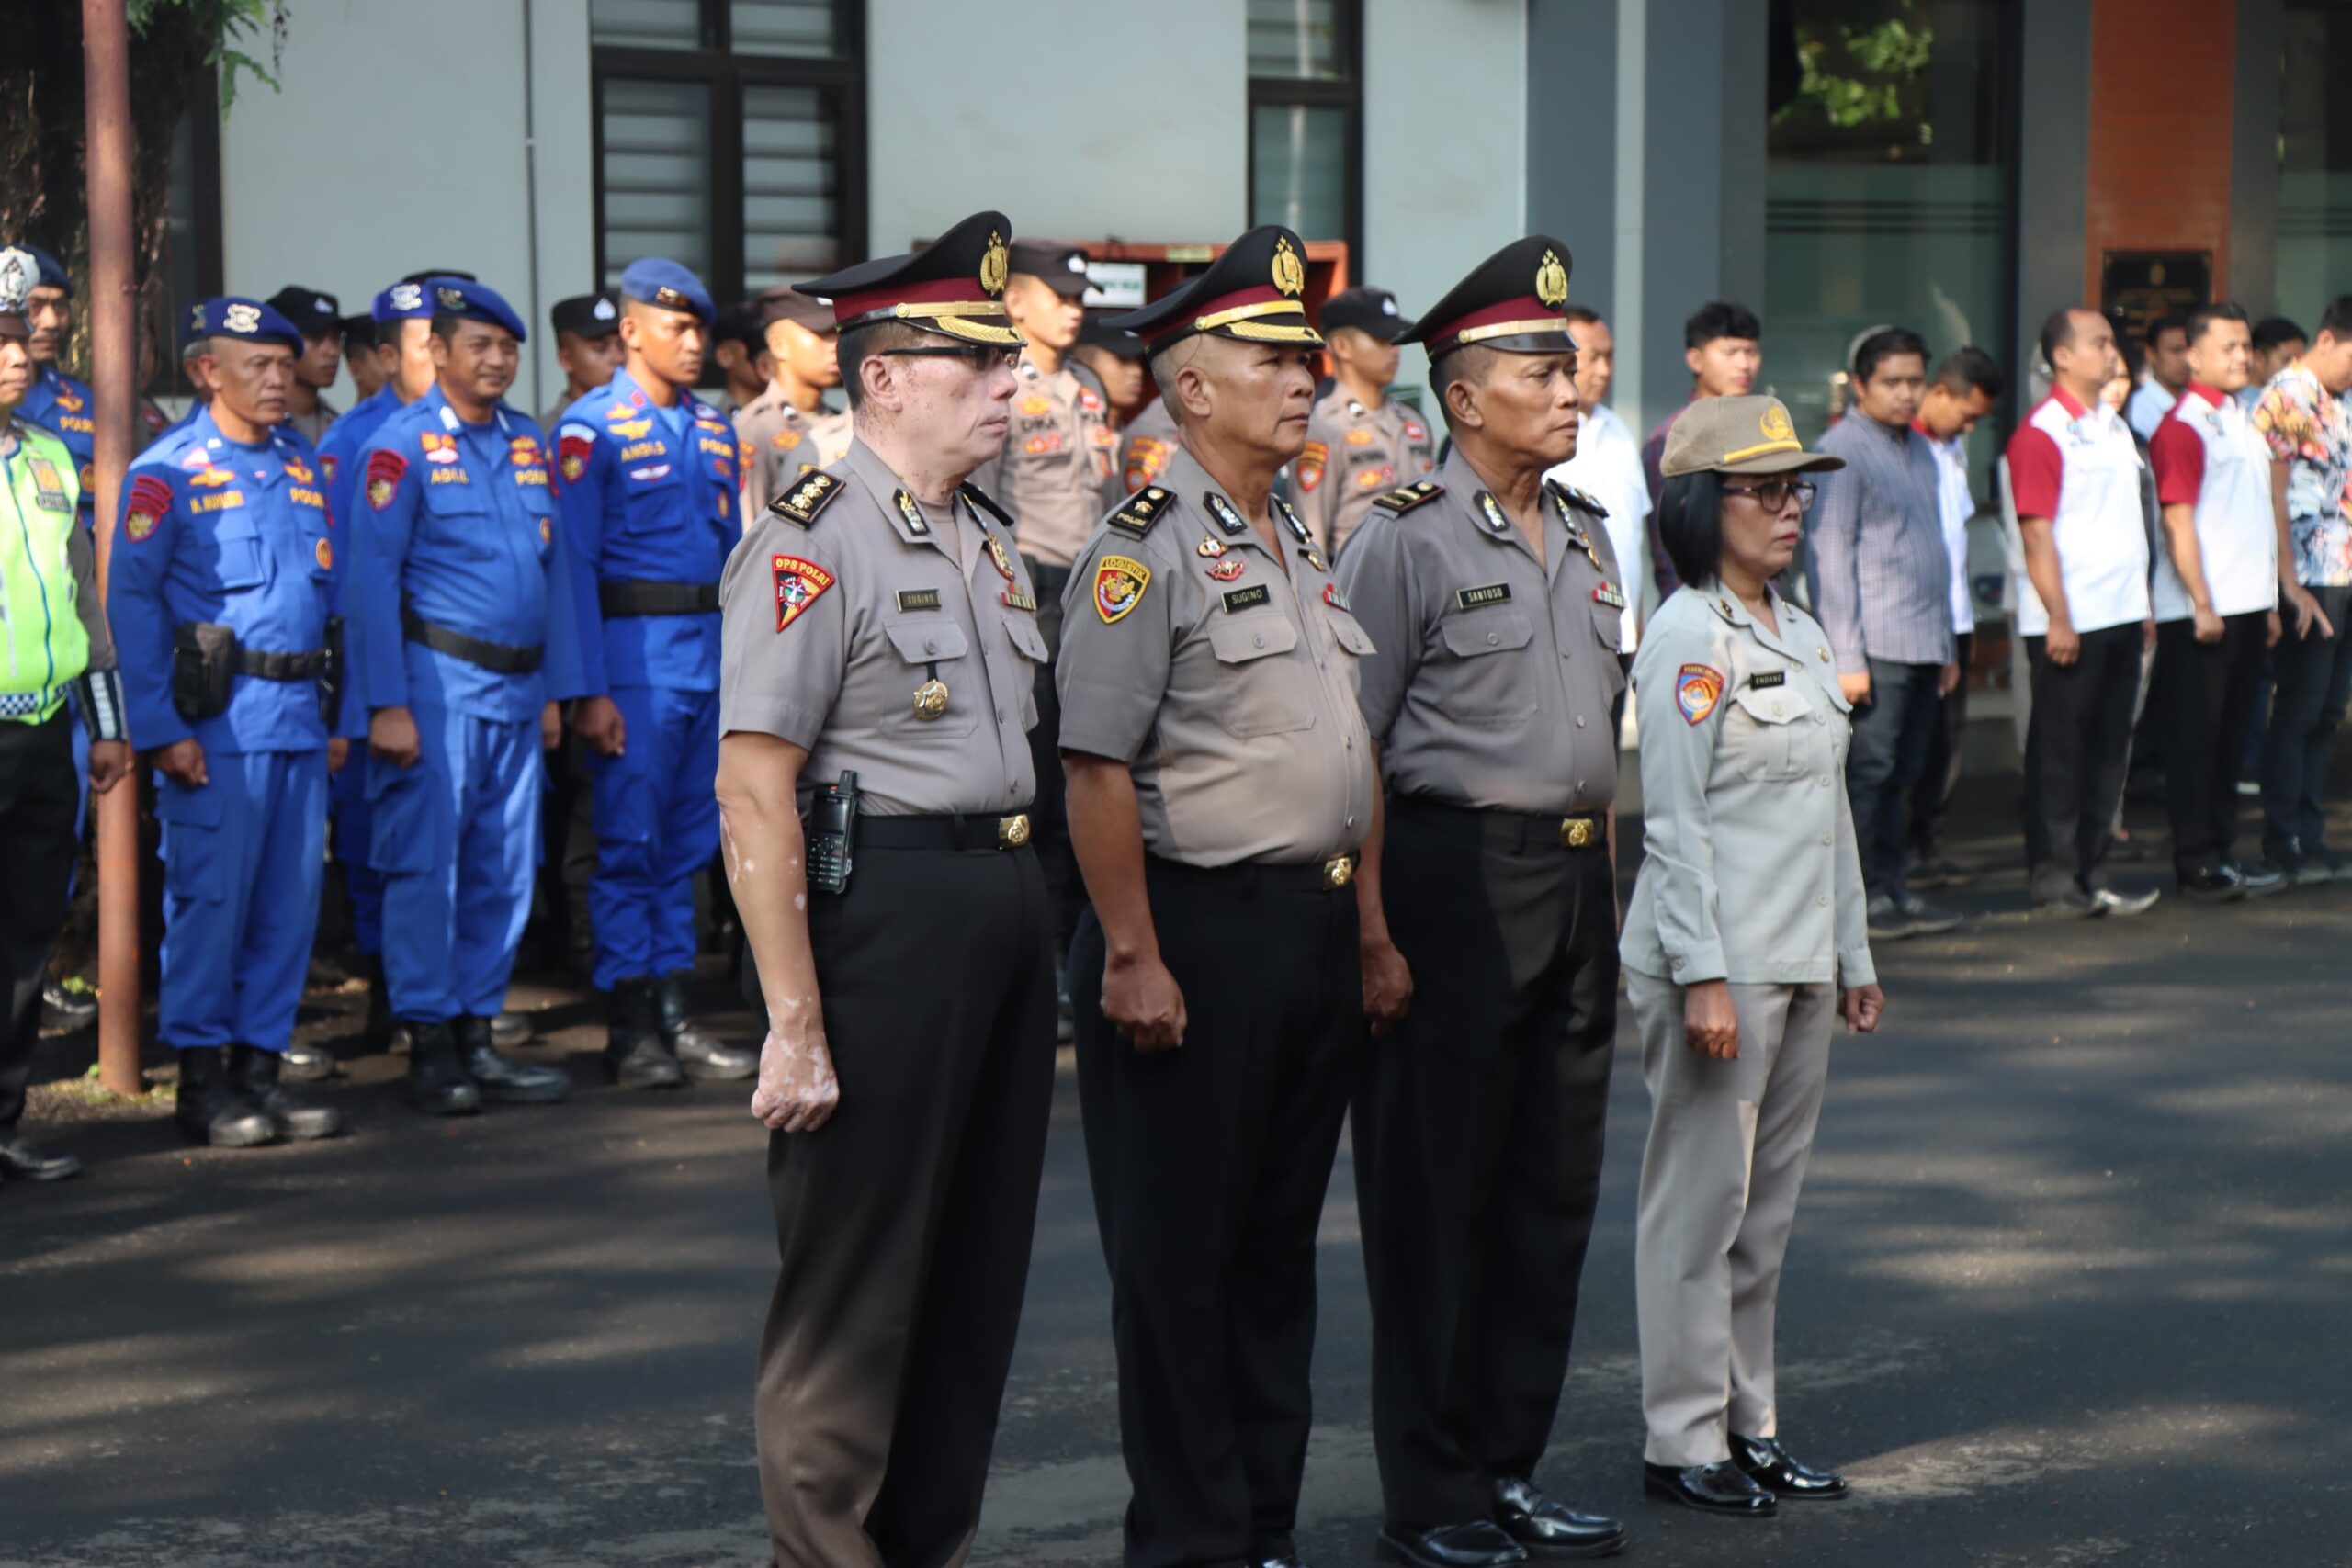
column 64, row 408
column 647, row 495
column 461, row 521
column 214, row 530
column 340, row 447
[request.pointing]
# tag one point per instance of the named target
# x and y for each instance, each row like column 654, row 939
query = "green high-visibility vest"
column 40, row 626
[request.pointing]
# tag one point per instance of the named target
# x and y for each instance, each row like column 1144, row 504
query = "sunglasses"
column 1773, row 495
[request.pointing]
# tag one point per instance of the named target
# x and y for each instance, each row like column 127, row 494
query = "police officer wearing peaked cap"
column 1362, row 442
column 787, row 430
column 1488, row 907
column 587, row 345
column 222, row 596
column 1208, row 688
column 319, row 318
column 461, row 645
column 649, row 485
column 879, row 626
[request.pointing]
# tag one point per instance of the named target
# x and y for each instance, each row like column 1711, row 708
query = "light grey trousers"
column 1720, row 1175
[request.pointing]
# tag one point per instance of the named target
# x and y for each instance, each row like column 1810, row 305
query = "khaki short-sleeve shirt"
column 1059, row 466
column 781, row 444
column 1226, row 682
column 844, row 601
column 1354, row 455
column 1495, row 673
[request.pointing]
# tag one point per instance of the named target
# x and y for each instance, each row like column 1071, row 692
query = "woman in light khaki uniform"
column 1744, row 942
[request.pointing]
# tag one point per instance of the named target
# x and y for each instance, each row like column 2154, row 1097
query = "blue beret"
column 49, row 271
column 474, row 302
column 655, row 281
column 248, row 321
column 407, row 300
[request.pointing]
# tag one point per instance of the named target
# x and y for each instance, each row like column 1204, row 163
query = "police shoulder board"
column 1139, row 513
column 1406, row 497
column 1576, row 497
column 809, row 495
column 982, row 502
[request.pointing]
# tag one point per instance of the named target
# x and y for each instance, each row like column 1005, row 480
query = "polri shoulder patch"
column 1138, row 514
column 1404, row 499
column 805, row 498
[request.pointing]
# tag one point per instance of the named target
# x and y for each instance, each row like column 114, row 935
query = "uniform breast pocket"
column 240, row 561
column 1776, row 733
column 1029, row 642
column 933, row 648
column 1266, row 690
column 457, row 520
column 653, row 493
column 1489, row 689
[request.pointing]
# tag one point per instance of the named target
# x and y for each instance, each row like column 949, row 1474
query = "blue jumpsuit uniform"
column 649, row 498
column 457, row 528
column 64, row 408
column 340, row 453
column 216, row 531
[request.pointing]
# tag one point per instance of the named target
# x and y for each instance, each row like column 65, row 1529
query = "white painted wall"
column 397, row 141
column 1138, row 130
column 1445, row 145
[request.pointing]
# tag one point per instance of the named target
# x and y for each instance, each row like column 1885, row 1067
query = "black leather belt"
column 1009, row 830
column 263, row 666
column 499, row 658
column 632, row 597
column 1315, row 876
column 1506, row 829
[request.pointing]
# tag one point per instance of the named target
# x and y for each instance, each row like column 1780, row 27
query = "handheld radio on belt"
column 831, row 821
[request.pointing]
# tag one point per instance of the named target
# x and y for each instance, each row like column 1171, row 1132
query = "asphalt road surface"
column 2070, row 1286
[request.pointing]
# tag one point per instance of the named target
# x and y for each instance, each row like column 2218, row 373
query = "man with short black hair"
column 587, row 346
column 740, row 349
column 1723, row 345
column 319, row 318
column 1964, row 389
column 1881, row 579
column 1607, row 464
column 787, row 430
column 2167, row 374
column 2278, row 342
column 359, row 356
column 1359, row 441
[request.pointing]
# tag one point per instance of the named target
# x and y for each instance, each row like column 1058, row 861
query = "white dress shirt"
column 1607, row 468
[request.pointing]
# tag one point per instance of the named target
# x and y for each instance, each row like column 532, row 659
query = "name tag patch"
column 1247, row 598
column 1492, row 593
column 918, row 598
column 1765, row 680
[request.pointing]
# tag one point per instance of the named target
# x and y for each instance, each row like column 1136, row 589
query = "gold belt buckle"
column 1576, row 832
column 1013, row 831
column 1338, row 871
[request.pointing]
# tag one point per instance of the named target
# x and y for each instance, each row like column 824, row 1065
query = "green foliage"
column 1858, row 78
column 221, row 21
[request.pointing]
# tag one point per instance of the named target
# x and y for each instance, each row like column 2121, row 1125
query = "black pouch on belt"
column 204, row 661
column 331, row 674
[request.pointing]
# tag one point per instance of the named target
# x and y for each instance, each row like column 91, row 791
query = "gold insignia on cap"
column 449, row 299
column 995, row 264
column 1775, row 424
column 1552, row 280
column 1290, row 272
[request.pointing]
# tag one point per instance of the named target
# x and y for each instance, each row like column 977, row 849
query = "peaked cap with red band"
column 954, row 287
column 1251, row 292
column 1512, row 302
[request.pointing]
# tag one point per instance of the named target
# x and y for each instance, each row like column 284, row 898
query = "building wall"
column 2162, row 105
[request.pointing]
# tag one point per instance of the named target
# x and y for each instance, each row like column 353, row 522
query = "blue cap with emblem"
column 474, row 302
column 47, row 271
column 407, row 300
column 247, row 321
column 661, row 282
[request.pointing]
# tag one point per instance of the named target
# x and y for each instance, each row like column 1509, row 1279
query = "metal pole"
column 106, row 76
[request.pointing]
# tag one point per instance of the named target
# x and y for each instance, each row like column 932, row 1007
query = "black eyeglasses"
column 1773, row 495
column 986, row 358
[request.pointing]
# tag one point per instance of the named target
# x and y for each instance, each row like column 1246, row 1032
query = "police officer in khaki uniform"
column 1220, row 783
column 1361, row 442
column 1488, row 908
column 1746, row 940
column 878, row 625
column 788, row 428
column 1145, row 445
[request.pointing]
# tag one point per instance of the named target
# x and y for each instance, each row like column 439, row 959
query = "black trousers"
column 1940, row 775
column 1050, row 816
column 2077, row 746
column 2314, row 677
column 2205, row 693
column 1209, row 1164
column 1477, row 1143
column 903, row 1225
column 1892, row 734
column 37, row 801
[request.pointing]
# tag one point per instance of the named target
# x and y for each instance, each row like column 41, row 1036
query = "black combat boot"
column 698, row 1053
column 510, row 1029
column 504, row 1082
column 303, row 1062
column 635, row 1055
column 254, row 1074
column 209, row 1110
column 437, row 1084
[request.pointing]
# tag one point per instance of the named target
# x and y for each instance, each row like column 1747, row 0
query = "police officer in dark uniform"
column 1220, row 781
column 648, row 480
column 880, row 630
column 1488, row 905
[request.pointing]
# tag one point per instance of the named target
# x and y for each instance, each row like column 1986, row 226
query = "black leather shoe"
column 209, row 1112
column 254, row 1074
column 437, row 1084
column 2260, row 878
column 511, row 1029
column 696, row 1053
column 501, row 1080
column 2213, row 885
column 302, row 1063
column 1546, row 1527
column 1479, row 1543
column 1770, row 1466
column 21, row 1161
column 635, row 1057
column 1710, row 1488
